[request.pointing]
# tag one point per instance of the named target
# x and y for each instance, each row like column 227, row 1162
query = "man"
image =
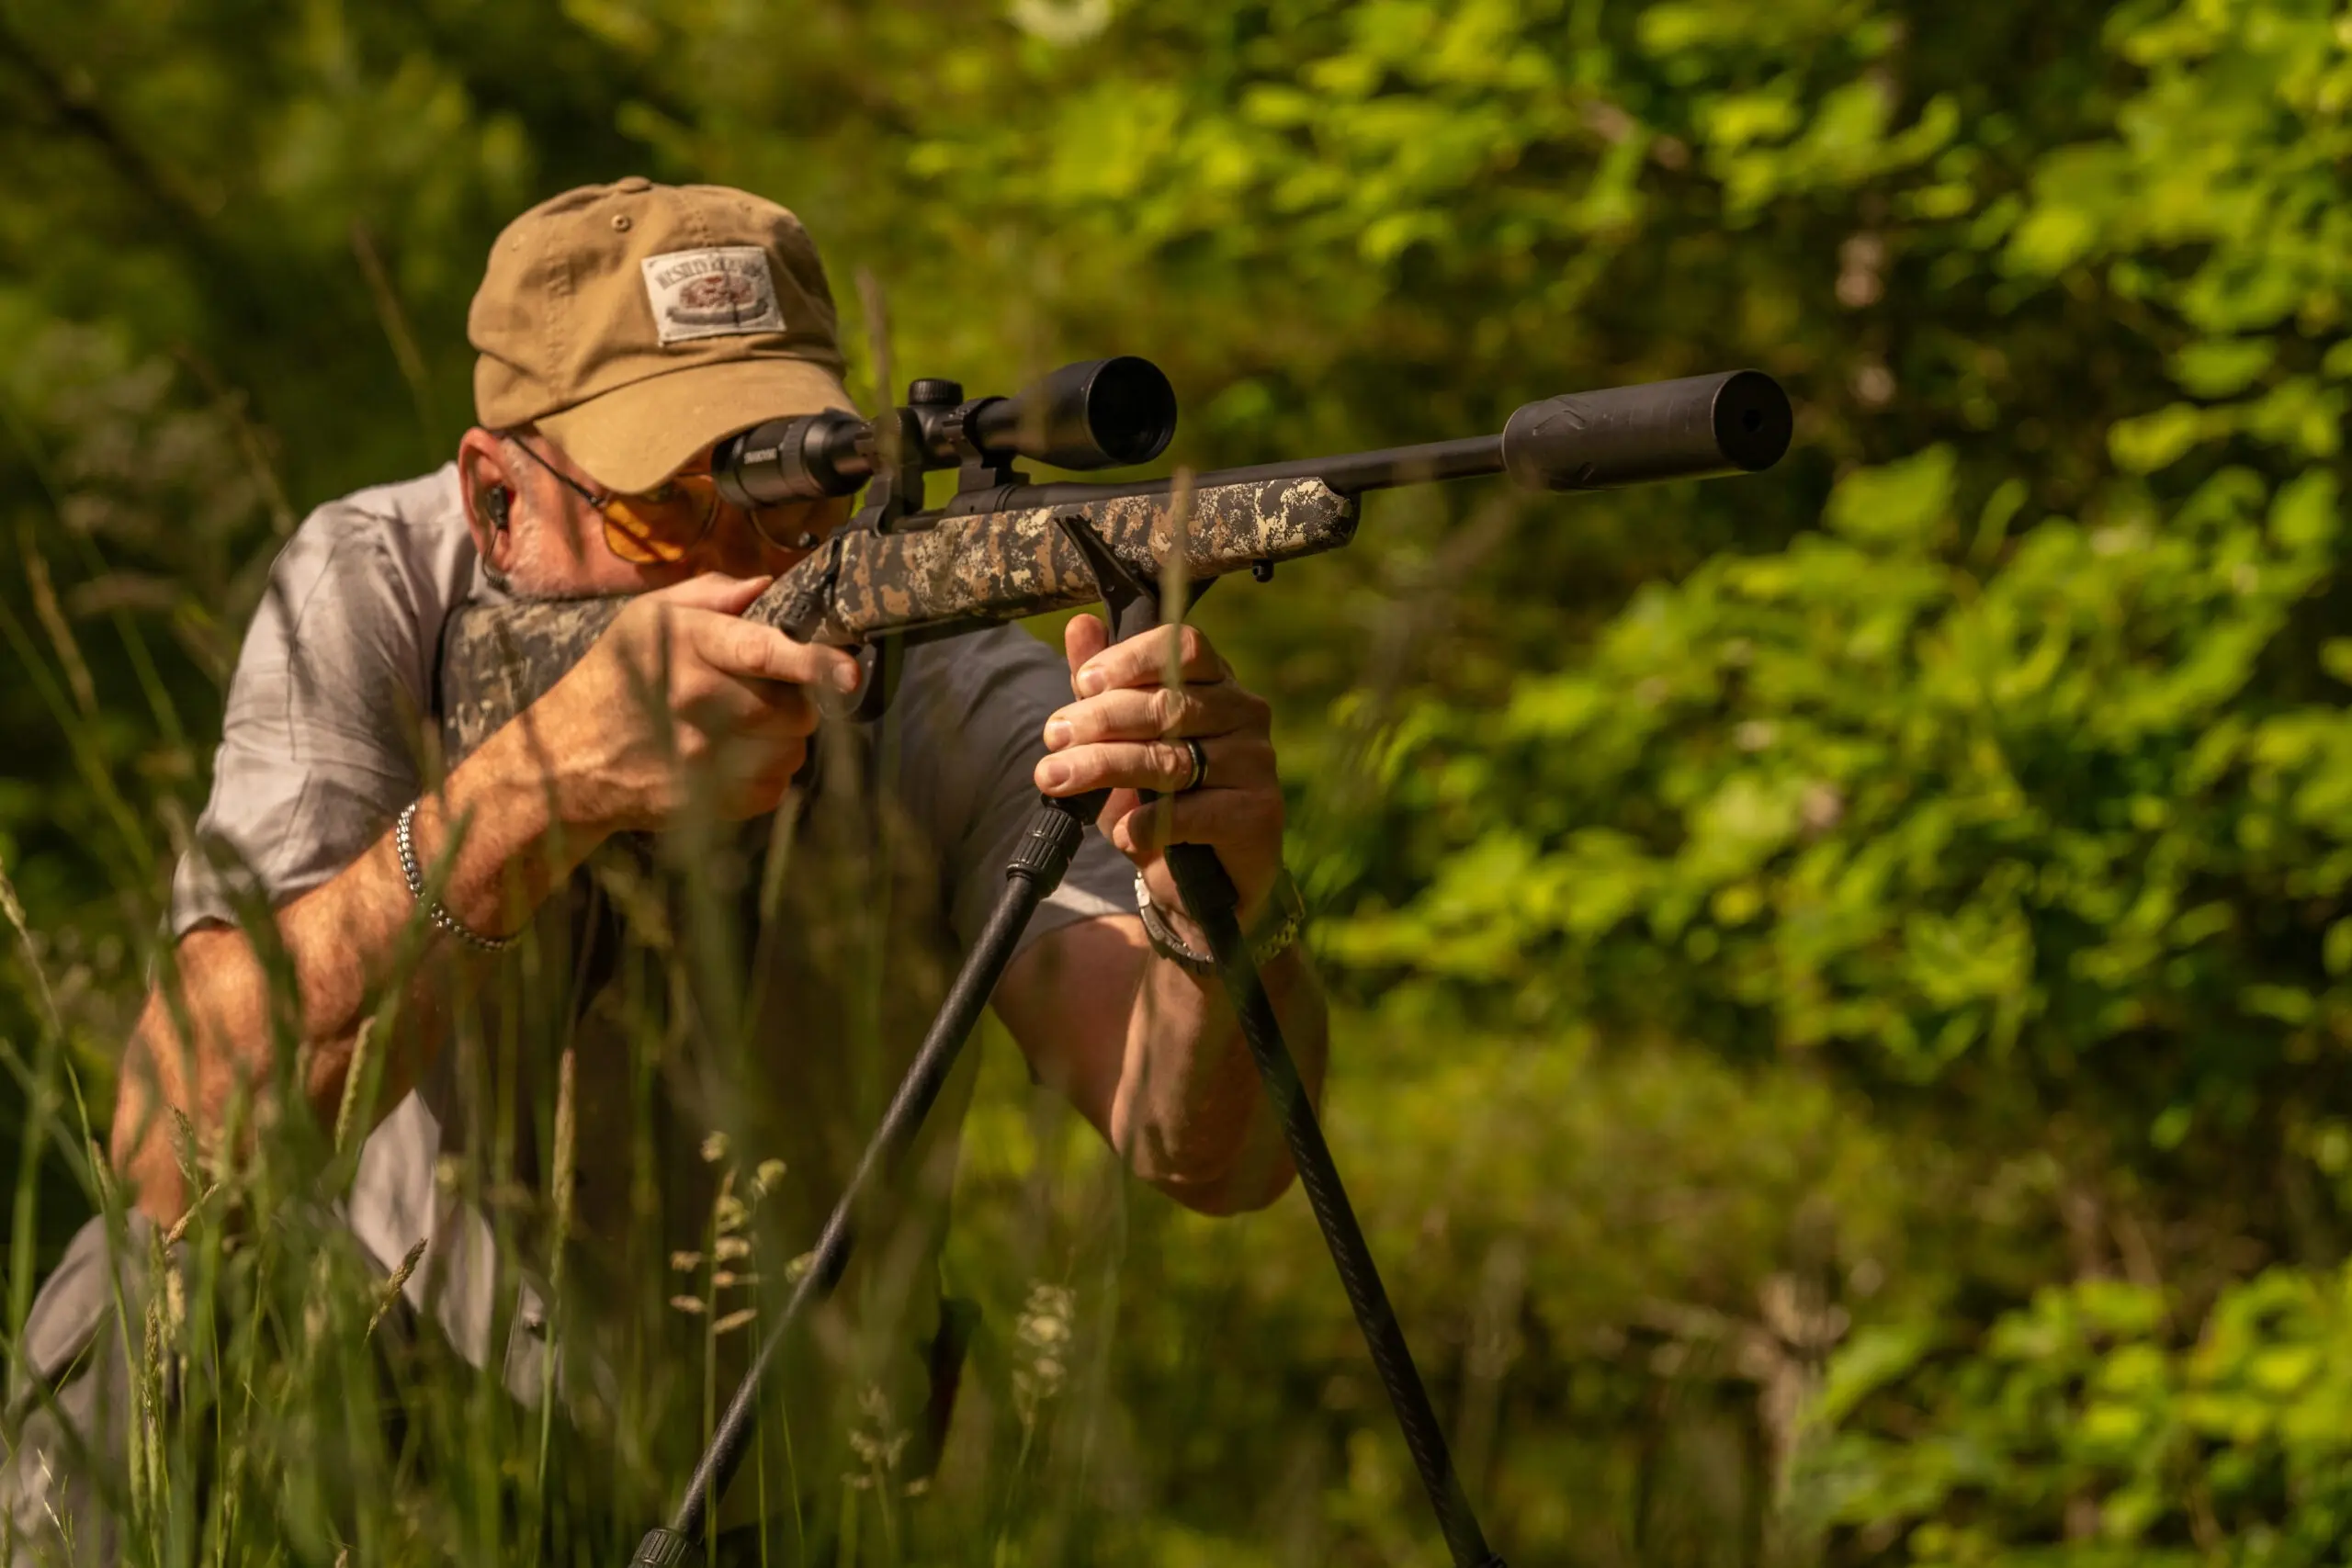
column 622, row 330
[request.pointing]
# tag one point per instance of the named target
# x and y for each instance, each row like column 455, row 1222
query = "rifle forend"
column 997, row 554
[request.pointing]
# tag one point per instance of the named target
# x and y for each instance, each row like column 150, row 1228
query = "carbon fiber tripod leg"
column 1038, row 863
column 1134, row 609
column 1209, row 897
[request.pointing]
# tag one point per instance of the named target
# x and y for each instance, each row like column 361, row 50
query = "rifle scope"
column 1098, row 413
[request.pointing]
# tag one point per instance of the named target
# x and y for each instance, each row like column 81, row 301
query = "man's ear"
column 486, row 487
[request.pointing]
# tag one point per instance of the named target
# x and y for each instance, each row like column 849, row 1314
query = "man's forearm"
column 205, row 1036
column 1191, row 1115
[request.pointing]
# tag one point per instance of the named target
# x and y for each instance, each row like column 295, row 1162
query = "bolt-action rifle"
column 1004, row 548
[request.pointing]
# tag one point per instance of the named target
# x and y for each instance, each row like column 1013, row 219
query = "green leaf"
column 1902, row 502
column 2154, row 441
column 2305, row 514
column 2223, row 367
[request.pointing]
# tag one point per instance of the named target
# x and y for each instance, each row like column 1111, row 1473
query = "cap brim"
column 633, row 437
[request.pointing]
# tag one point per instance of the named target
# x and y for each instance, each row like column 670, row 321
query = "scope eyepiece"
column 805, row 457
column 1098, row 413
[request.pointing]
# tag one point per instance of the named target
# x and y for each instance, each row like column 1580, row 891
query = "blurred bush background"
column 1843, row 975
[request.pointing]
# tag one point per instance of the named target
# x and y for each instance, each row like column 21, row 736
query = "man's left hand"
column 1126, row 733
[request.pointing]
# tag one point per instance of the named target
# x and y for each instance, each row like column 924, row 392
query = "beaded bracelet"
column 404, row 839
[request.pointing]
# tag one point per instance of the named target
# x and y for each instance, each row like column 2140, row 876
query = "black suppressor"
column 1098, row 413
column 1735, row 422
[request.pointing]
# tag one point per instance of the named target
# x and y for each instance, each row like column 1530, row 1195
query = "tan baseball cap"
column 635, row 323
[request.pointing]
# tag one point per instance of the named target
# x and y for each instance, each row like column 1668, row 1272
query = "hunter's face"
column 561, row 546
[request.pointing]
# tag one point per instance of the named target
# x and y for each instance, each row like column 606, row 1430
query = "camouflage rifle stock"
column 1001, row 551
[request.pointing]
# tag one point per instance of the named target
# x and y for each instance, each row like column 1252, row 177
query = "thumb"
column 1082, row 638
column 714, row 591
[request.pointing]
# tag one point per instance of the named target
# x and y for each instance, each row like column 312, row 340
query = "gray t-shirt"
column 884, row 878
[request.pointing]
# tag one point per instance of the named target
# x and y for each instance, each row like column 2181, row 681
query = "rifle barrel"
column 1733, row 422
column 1359, row 471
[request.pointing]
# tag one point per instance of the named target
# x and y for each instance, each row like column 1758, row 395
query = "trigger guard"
column 878, row 667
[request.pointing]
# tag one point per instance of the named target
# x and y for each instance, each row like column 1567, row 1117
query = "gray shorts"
column 85, row 1405
column 65, row 1434
column 74, row 1418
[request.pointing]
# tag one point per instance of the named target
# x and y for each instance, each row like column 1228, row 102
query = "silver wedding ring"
column 1200, row 766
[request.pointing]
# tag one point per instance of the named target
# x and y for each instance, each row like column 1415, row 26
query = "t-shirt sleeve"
column 318, row 741
column 973, row 713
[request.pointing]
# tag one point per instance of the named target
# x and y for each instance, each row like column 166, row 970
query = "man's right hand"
column 683, row 700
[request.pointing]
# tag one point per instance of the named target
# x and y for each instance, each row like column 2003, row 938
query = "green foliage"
column 1851, row 794
column 2029, row 819
column 2082, row 1415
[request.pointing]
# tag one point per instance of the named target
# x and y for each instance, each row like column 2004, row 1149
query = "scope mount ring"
column 895, row 492
column 980, row 469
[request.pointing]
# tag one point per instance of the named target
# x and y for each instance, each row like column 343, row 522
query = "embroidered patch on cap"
column 712, row 293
